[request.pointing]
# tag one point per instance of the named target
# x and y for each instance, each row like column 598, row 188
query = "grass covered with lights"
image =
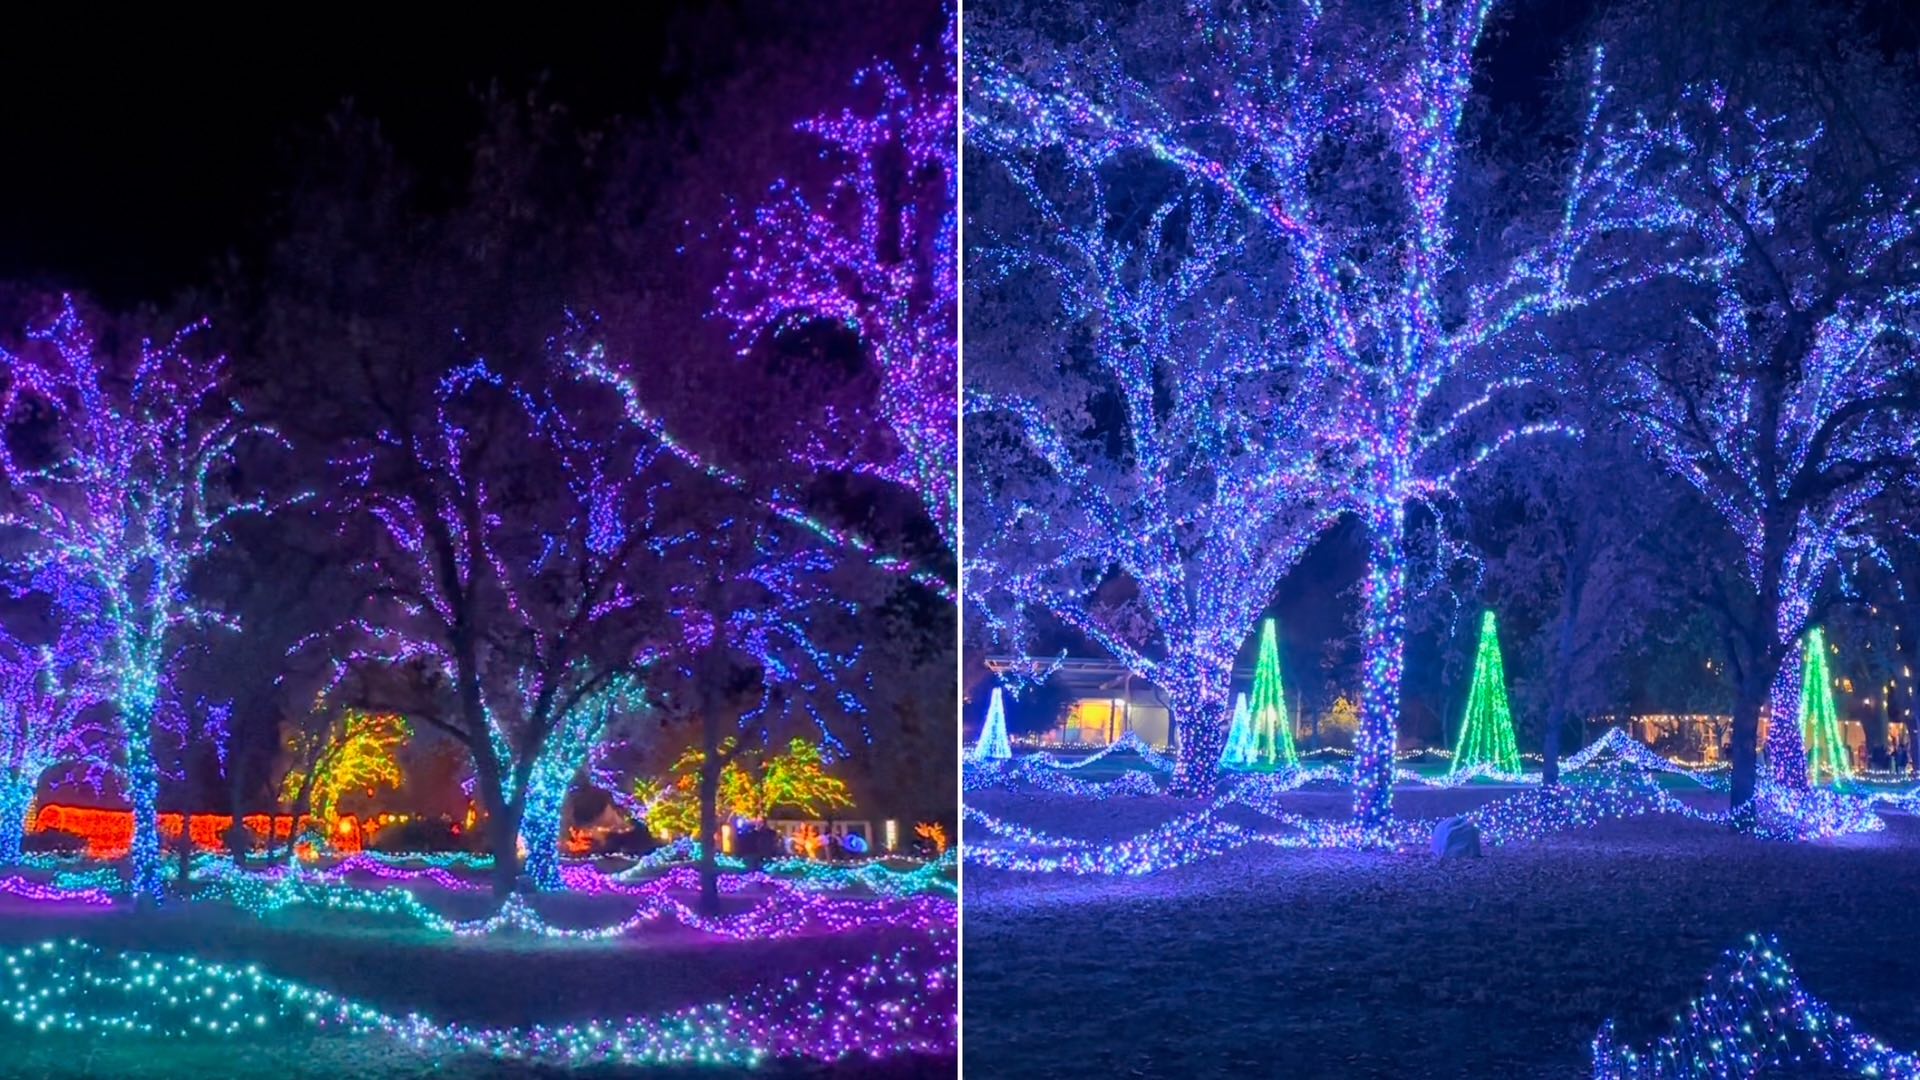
column 403, row 991
column 1285, row 962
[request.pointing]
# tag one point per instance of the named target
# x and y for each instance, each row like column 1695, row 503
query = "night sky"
column 141, row 154
column 132, row 190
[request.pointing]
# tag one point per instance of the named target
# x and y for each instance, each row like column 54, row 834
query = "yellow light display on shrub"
column 795, row 779
column 361, row 753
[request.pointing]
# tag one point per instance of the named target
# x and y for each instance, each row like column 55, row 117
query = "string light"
column 1604, row 782
column 1036, row 770
column 1238, row 750
column 109, row 833
column 592, row 363
column 1616, row 744
column 73, row 892
column 360, row 753
column 785, row 907
column 1129, row 742
column 1754, row 1019
column 566, row 752
column 1045, row 770
column 748, row 788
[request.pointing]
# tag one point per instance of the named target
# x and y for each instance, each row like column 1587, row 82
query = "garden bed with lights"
column 1281, row 962
column 382, row 962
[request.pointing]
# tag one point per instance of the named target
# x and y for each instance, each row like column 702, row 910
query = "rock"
column 1456, row 838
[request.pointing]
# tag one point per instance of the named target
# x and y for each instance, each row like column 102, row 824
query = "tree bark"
column 239, row 845
column 1876, row 730
column 302, row 802
column 1909, row 638
column 1550, row 743
column 503, row 836
column 726, row 683
column 1557, row 696
column 1748, row 698
column 186, row 850
column 503, row 820
column 1578, row 563
column 711, row 766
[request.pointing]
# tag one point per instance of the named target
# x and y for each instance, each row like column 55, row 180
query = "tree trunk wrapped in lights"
column 142, row 479
column 559, row 763
column 1786, row 744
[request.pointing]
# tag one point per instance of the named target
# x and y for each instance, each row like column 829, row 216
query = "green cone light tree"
column 1486, row 738
column 1272, row 733
column 1827, row 758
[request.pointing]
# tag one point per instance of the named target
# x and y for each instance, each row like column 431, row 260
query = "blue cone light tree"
column 993, row 744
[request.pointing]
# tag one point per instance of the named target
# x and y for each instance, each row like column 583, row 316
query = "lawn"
column 1314, row 963
column 501, row 980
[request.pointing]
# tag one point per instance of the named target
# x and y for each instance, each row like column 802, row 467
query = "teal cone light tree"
column 1272, row 733
column 1486, row 738
column 1238, row 751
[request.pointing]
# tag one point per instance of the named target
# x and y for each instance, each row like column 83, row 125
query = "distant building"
column 1104, row 701
column 802, row 830
column 1706, row 738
